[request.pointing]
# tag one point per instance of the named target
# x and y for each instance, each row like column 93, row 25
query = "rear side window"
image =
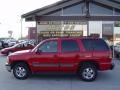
column 87, row 44
column 99, row 45
column 95, row 44
column 69, row 46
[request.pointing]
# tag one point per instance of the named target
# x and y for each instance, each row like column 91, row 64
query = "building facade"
column 32, row 33
column 74, row 18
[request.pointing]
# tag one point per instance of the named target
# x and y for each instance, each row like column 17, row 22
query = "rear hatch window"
column 95, row 44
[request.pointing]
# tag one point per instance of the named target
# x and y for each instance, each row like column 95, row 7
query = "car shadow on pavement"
column 50, row 76
column 102, row 76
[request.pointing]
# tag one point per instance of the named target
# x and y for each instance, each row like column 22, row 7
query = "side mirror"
column 38, row 51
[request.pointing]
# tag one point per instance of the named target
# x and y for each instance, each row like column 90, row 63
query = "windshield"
column 17, row 45
column 37, row 46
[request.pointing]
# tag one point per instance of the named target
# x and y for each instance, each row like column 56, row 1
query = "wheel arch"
column 20, row 61
column 93, row 62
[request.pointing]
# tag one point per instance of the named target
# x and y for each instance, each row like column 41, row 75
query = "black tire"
column 25, row 73
column 88, row 72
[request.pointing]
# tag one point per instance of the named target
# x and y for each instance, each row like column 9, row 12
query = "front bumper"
column 8, row 67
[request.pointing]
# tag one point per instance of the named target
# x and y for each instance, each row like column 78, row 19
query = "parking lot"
column 108, row 80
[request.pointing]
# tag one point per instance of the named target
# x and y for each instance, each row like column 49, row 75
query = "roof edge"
column 43, row 8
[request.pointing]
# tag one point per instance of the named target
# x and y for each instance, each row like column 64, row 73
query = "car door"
column 46, row 58
column 70, row 55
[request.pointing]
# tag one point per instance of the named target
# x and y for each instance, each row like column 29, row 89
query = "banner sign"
column 60, row 33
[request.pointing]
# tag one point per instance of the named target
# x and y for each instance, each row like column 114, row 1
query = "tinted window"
column 19, row 45
column 95, row 44
column 70, row 46
column 73, row 10
column 87, row 44
column 50, row 46
column 117, row 12
column 99, row 45
column 56, row 13
column 96, row 9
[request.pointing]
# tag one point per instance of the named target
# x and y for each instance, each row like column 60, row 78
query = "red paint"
column 5, row 51
column 62, row 62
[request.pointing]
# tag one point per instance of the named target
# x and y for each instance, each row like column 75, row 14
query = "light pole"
column 21, row 26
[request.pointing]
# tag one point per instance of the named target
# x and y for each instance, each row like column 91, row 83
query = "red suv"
column 84, row 56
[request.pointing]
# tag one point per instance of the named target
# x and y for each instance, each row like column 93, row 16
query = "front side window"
column 49, row 46
column 69, row 46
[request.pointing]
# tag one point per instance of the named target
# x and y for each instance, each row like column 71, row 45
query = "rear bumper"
column 8, row 67
column 106, row 66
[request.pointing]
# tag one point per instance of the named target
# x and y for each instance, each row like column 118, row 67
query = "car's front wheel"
column 21, row 71
column 88, row 72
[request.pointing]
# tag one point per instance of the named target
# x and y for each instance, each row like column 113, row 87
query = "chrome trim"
column 88, row 73
column 66, row 65
column 20, row 71
column 45, row 65
column 52, row 65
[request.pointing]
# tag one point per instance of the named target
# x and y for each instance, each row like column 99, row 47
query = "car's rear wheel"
column 88, row 72
column 21, row 71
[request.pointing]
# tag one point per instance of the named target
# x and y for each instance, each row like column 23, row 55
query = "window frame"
column 92, row 46
column 82, row 40
column 46, row 42
column 105, row 45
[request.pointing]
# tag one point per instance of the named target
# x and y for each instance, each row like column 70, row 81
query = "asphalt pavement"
column 107, row 80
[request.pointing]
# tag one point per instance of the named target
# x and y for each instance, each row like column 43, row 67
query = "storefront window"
column 100, row 10
column 48, row 29
column 74, row 10
column 117, row 31
column 55, row 13
column 117, row 12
